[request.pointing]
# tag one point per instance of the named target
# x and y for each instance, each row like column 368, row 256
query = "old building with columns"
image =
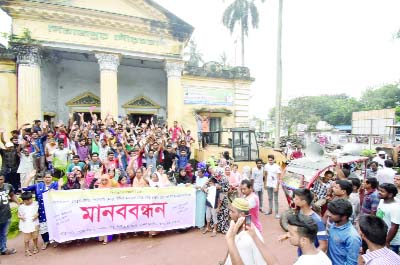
column 122, row 57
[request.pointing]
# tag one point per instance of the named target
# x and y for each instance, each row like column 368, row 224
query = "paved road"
column 191, row 248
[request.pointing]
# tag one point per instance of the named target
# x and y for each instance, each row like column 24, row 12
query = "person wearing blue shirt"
column 344, row 241
column 303, row 199
column 39, row 189
column 40, row 155
column 183, row 159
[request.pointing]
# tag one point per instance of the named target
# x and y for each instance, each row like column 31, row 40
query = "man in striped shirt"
column 373, row 231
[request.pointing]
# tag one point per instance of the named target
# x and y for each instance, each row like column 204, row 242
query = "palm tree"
column 239, row 12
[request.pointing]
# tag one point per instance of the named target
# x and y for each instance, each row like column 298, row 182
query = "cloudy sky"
column 329, row 46
column 340, row 46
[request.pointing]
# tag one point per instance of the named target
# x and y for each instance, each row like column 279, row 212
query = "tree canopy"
column 387, row 96
column 337, row 109
column 334, row 109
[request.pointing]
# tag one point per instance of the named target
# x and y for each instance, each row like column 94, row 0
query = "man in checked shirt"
column 321, row 187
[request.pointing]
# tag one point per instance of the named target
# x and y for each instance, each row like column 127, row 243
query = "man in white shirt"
column 302, row 232
column 257, row 179
column 389, row 211
column 273, row 172
column 241, row 246
column 386, row 174
column 60, row 159
column 380, row 158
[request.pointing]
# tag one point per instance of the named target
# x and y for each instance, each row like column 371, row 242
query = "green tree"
column 240, row 12
column 334, row 109
column 387, row 96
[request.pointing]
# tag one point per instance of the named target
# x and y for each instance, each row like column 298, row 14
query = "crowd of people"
column 341, row 220
column 95, row 154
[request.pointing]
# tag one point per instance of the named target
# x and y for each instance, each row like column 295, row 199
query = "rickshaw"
column 303, row 172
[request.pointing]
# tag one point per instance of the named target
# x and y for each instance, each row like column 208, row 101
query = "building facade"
column 122, row 57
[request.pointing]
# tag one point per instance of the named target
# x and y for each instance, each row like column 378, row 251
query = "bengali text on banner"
column 77, row 214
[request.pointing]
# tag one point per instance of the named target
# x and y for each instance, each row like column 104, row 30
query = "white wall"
column 69, row 78
column 135, row 81
column 76, row 78
column 49, row 81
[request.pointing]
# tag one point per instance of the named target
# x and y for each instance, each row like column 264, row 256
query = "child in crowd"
column 29, row 222
column 213, row 205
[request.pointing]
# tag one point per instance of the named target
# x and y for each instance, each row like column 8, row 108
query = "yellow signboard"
column 98, row 38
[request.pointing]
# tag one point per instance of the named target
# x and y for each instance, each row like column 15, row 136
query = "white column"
column 108, row 64
column 174, row 91
column 29, row 84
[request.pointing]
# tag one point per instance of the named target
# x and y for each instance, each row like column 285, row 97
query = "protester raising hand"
column 233, row 251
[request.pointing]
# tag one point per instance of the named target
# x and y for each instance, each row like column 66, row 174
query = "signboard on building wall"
column 208, row 96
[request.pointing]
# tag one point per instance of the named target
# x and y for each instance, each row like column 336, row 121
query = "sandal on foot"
column 45, row 245
column 9, row 251
column 35, row 250
column 206, row 230
column 214, row 233
column 28, row 253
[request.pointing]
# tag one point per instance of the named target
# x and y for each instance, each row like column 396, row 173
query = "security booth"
column 244, row 144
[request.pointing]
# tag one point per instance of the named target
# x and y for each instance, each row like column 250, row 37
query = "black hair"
column 75, row 156
column 374, row 229
column 329, row 172
column 305, row 194
column 120, row 178
column 25, row 196
column 247, row 183
column 373, row 162
column 271, row 156
column 390, row 188
column 346, row 172
column 389, row 163
column 355, row 182
column 373, row 182
column 341, row 207
column 345, row 185
column 110, row 153
column 47, row 172
column 95, row 153
column 306, row 226
column 213, row 180
column 258, row 160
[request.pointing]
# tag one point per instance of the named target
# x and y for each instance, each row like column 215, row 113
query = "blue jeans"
column 3, row 235
column 395, row 248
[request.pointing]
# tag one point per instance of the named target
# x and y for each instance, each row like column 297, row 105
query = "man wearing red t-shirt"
column 175, row 132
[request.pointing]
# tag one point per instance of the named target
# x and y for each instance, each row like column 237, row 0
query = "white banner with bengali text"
column 77, row 214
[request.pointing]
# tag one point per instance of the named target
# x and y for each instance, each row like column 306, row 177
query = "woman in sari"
column 201, row 181
column 223, row 214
